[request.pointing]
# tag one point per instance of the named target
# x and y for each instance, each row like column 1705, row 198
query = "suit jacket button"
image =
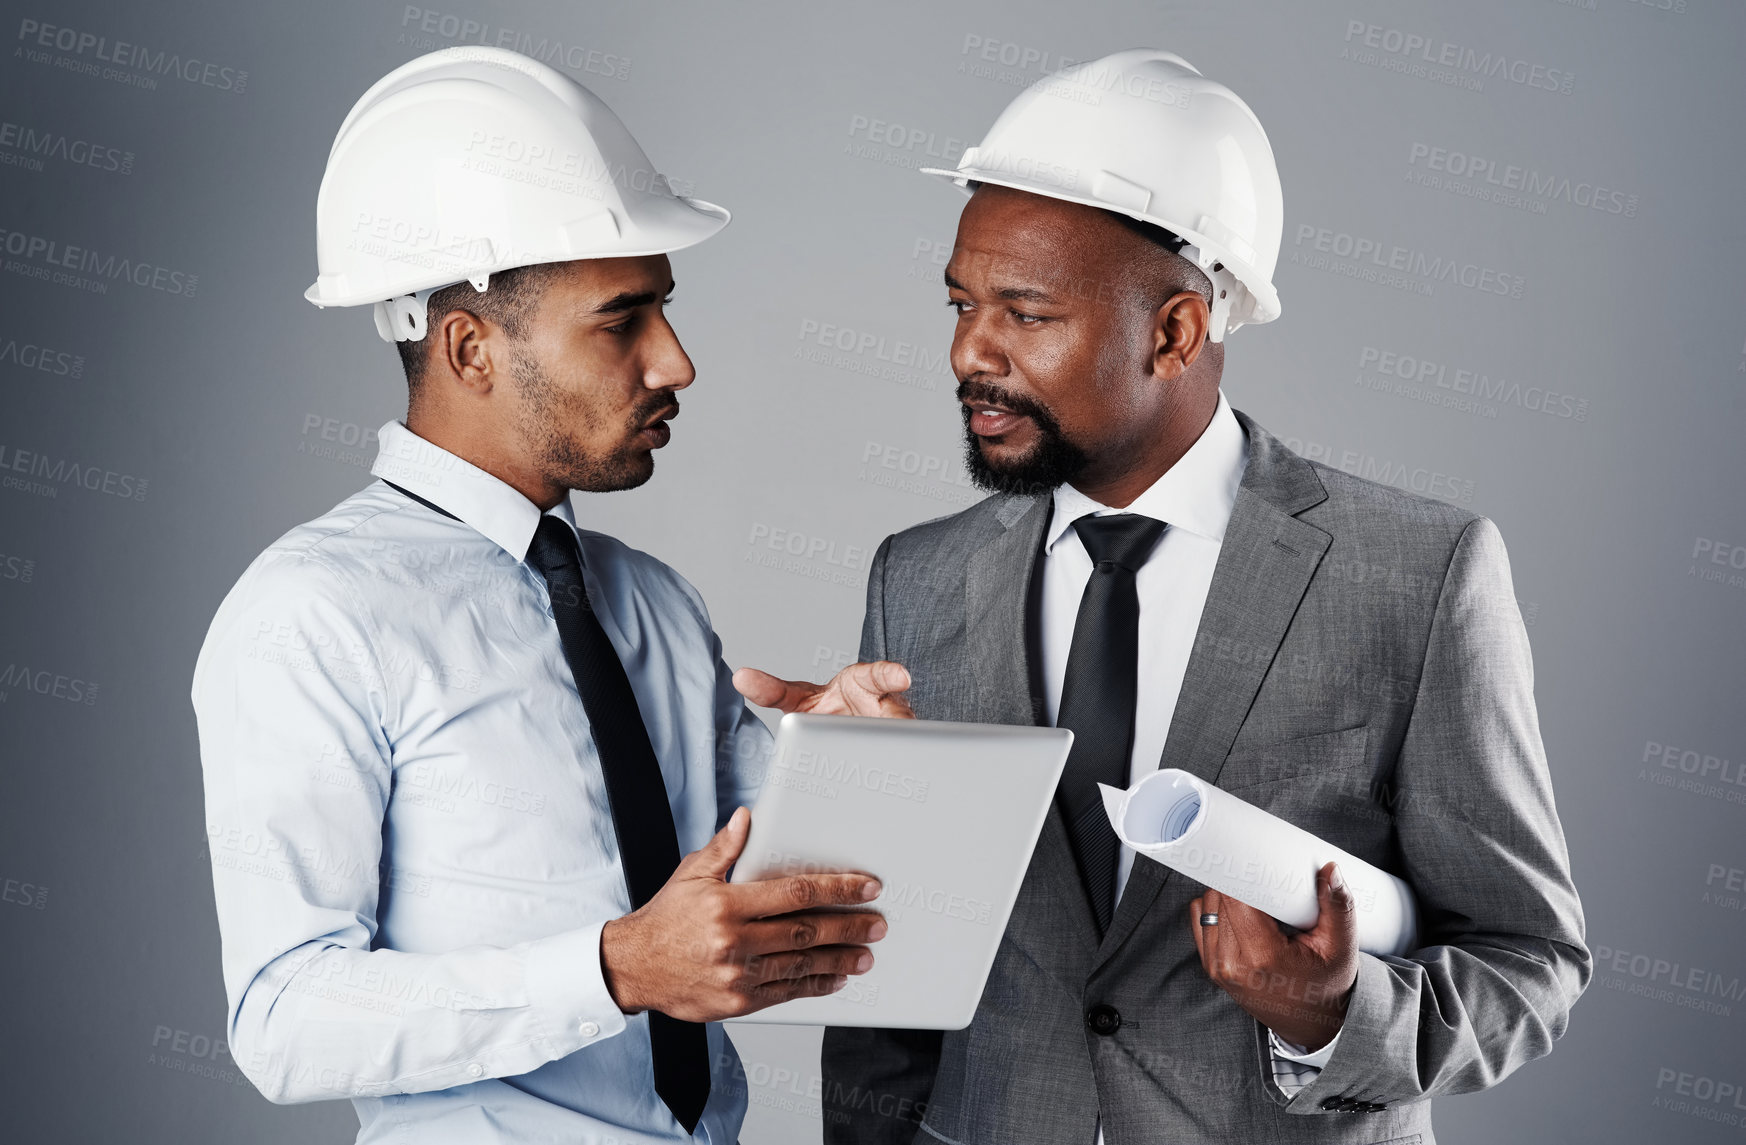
column 1103, row 1019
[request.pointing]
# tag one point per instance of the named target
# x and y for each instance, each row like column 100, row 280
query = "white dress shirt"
column 1194, row 498
column 412, row 847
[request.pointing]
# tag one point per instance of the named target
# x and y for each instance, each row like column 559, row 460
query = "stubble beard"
column 561, row 457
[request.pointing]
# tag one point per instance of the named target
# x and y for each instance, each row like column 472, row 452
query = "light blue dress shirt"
column 412, row 849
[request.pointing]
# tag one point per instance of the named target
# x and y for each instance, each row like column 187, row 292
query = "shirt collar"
column 488, row 504
column 1195, row 494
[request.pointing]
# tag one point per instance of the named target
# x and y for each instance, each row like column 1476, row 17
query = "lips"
column 989, row 420
column 656, row 431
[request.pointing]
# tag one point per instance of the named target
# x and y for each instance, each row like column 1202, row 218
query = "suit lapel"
column 996, row 587
column 1263, row 570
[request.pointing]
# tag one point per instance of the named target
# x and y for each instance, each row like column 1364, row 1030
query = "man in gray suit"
column 1158, row 572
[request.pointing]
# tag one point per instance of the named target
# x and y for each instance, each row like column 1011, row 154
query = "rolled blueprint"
column 1242, row 851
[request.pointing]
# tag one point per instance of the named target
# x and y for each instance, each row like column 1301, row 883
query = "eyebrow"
column 1009, row 293
column 629, row 300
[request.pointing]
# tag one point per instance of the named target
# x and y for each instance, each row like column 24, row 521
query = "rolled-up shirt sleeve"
column 291, row 705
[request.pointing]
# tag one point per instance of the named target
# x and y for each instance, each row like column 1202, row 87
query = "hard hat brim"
column 685, row 223
column 1265, row 298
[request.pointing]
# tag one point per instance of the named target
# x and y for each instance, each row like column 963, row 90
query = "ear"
column 1179, row 331
column 464, row 351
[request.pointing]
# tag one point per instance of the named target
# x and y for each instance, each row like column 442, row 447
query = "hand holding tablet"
column 702, row 950
column 945, row 815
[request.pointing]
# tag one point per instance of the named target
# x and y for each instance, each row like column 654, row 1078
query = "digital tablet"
column 945, row 815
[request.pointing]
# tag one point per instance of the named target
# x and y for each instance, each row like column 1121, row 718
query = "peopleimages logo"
column 1452, row 63
column 873, row 355
column 44, row 682
column 31, row 356
column 1475, row 384
column 1413, row 478
column 87, row 50
column 812, row 557
column 53, row 473
column 1393, row 265
column 428, row 25
column 1510, row 184
column 67, row 265
column 27, row 147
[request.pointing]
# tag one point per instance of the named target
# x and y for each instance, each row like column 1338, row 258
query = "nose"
column 668, row 365
column 976, row 348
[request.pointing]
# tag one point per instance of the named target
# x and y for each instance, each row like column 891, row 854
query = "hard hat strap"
column 404, row 319
column 1226, row 291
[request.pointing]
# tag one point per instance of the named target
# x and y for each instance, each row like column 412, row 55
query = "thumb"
column 714, row 858
column 1336, row 928
column 885, row 677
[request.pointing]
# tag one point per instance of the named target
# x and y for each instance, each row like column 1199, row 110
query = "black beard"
column 1052, row 461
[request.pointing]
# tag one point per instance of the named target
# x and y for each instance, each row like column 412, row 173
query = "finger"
column 1212, row 903
column 1336, row 930
column 1232, row 943
column 895, row 708
column 790, row 988
column 810, row 929
column 1253, row 948
column 768, row 691
column 1253, row 927
column 823, row 960
column 879, row 677
column 792, row 893
column 1195, row 910
column 861, row 689
column 714, row 858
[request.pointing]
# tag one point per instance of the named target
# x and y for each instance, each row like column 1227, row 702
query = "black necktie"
column 648, row 845
column 1098, row 697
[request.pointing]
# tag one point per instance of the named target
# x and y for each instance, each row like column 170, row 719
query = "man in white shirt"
column 454, row 745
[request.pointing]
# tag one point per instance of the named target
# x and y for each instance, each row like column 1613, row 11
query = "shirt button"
column 588, row 1029
column 476, row 1070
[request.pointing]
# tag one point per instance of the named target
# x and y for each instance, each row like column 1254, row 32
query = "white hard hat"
column 473, row 160
column 1143, row 134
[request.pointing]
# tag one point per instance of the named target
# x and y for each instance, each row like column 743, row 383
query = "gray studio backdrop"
column 1509, row 277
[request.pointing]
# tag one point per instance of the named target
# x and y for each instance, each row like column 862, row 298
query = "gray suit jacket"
column 1361, row 670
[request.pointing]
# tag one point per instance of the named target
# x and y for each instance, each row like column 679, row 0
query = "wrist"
column 618, row 962
column 1311, row 1027
column 1312, row 1030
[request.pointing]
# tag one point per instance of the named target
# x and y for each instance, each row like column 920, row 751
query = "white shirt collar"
column 488, row 504
column 1195, row 494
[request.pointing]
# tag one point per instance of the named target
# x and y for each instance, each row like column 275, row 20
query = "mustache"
column 977, row 390
column 658, row 408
